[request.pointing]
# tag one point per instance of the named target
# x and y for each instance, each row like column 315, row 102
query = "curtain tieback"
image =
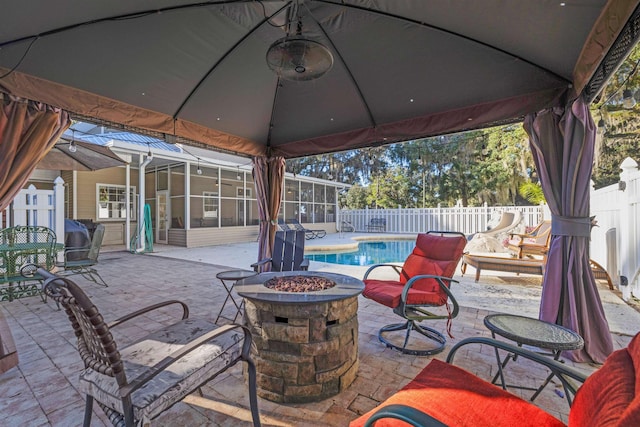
column 579, row 226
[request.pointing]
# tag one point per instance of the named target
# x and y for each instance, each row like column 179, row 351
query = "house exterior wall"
column 87, row 200
column 221, row 206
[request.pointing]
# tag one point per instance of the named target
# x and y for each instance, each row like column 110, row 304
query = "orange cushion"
column 610, row 396
column 459, row 398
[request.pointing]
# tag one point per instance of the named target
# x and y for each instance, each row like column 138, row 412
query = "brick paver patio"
column 42, row 390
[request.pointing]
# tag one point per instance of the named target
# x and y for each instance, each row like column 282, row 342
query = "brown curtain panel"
column 268, row 176
column 28, row 130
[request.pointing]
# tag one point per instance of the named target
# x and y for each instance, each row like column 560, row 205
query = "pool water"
column 368, row 253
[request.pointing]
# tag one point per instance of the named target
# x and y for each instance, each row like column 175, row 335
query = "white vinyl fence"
column 39, row 207
column 418, row 220
column 615, row 243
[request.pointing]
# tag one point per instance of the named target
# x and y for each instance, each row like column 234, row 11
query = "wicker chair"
column 136, row 383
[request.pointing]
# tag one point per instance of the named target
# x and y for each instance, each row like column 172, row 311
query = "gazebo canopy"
column 196, row 72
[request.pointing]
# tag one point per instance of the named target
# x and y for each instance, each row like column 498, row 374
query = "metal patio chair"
column 135, row 383
column 81, row 260
column 424, row 282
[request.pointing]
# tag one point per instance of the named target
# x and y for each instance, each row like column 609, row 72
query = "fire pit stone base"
column 304, row 352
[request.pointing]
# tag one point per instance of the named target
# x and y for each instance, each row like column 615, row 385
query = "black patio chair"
column 309, row 234
column 137, row 382
column 288, row 253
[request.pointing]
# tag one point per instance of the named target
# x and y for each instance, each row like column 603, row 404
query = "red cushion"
column 610, row 396
column 458, row 398
column 385, row 292
column 445, row 251
column 388, row 292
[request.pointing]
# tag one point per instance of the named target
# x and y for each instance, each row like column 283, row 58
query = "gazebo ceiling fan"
column 298, row 58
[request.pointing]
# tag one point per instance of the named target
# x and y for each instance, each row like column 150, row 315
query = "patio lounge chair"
column 534, row 243
column 424, row 282
column 84, row 265
column 522, row 266
column 508, row 265
column 135, row 383
column 508, row 221
column 309, row 234
column 288, row 253
column 443, row 394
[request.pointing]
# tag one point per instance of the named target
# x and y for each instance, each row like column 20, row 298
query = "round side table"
column 534, row 332
column 228, row 279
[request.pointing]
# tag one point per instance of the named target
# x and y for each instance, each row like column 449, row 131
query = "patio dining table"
column 14, row 255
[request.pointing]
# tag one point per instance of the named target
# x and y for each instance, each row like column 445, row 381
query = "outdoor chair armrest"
column 397, row 268
column 445, row 289
column 162, row 365
column 304, row 265
column 262, row 262
column 185, row 312
column 409, row 415
column 74, row 250
column 564, row 373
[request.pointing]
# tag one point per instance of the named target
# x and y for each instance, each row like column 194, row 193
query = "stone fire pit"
column 306, row 343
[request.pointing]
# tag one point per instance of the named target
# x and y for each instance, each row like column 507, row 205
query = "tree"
column 618, row 133
column 389, row 190
column 356, row 198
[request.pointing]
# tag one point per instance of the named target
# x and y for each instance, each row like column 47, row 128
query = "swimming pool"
column 368, row 253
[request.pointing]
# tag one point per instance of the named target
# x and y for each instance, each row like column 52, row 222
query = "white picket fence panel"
column 615, row 243
column 466, row 220
column 39, row 207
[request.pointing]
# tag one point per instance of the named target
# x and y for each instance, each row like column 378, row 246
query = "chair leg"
column 93, row 273
column 88, row 409
column 253, row 396
column 410, row 325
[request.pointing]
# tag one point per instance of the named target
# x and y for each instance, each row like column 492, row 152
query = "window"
column 111, row 202
column 210, row 204
column 244, row 193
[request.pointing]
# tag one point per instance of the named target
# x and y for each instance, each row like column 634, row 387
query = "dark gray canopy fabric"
column 196, row 71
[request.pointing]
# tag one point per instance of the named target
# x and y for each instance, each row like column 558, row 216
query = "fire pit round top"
column 299, row 283
column 253, row 288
